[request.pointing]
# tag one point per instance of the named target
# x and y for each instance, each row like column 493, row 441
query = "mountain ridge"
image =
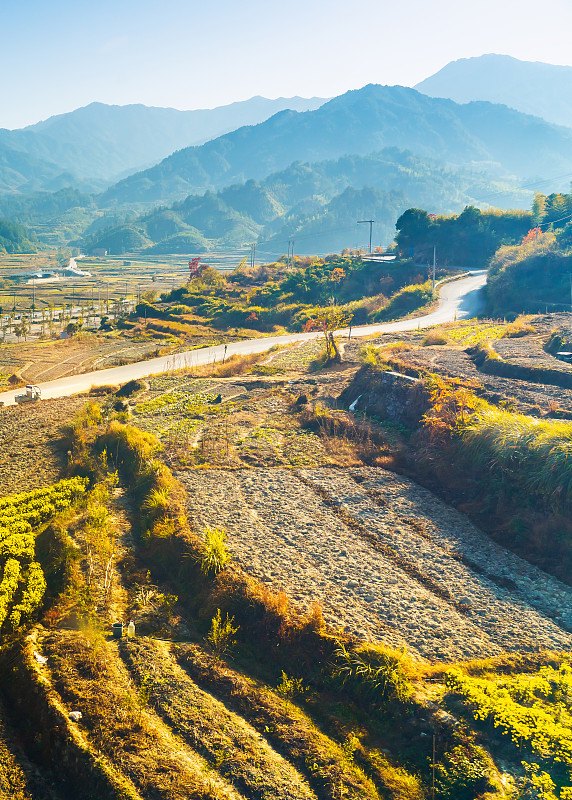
column 532, row 87
column 101, row 143
column 358, row 122
column 305, row 201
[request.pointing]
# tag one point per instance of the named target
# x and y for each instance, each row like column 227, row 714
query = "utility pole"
column 434, row 259
column 290, row 260
column 370, row 223
column 252, row 252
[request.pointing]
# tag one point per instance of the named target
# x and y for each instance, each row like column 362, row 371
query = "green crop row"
column 39, row 505
column 8, row 586
column 23, row 584
column 35, row 586
column 534, row 711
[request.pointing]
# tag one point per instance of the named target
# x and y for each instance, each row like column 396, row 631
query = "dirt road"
column 458, row 300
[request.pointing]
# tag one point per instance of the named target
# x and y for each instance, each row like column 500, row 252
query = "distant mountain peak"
column 533, row 87
column 357, row 123
column 102, row 143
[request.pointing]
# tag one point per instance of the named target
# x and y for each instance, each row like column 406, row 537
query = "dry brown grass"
column 324, row 763
column 233, row 365
column 87, row 674
column 435, row 338
column 520, row 327
column 17, row 783
column 346, row 440
column 230, row 746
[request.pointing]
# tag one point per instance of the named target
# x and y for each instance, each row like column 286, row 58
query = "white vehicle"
column 33, row 393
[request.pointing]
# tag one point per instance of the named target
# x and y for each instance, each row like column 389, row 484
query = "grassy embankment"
column 352, row 691
column 274, row 297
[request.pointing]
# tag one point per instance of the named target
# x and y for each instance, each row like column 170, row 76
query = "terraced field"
column 31, row 454
column 385, row 558
column 48, row 360
column 148, row 719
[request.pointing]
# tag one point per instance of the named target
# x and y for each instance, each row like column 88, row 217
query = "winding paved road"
column 460, row 299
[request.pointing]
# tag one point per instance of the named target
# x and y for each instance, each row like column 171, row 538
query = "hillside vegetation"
column 469, row 238
column 317, row 203
column 297, row 296
column 534, row 274
column 15, row 238
column 359, row 122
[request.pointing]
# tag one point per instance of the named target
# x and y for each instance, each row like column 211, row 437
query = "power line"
column 552, row 221
column 524, row 186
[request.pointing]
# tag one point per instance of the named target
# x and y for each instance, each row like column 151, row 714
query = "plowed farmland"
column 385, row 558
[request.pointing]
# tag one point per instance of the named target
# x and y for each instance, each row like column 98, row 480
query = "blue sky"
column 57, row 55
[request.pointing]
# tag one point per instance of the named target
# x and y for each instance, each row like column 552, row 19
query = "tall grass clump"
column 214, row 556
column 375, row 674
column 220, row 637
column 537, row 452
column 438, row 337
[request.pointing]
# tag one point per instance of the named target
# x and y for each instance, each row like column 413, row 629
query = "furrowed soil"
column 386, row 560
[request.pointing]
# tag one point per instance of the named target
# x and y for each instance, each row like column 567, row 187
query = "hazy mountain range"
column 477, row 134
column 533, row 87
column 317, row 204
column 240, row 173
column 98, row 144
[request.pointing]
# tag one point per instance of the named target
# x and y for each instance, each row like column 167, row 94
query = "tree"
column 413, row 227
column 329, row 320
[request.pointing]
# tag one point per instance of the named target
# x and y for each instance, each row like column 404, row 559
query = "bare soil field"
column 31, row 455
column 43, row 361
column 454, row 360
column 386, row 560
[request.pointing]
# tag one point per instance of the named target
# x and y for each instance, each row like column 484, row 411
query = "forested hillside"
column 358, row 122
column 15, row 238
column 468, row 239
column 534, row 275
column 318, row 204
